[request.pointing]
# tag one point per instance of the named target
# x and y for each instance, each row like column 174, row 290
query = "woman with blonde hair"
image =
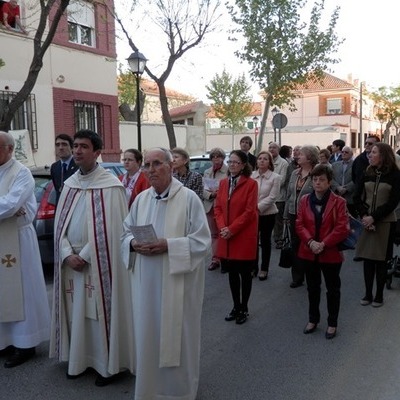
column 268, row 191
column 300, row 183
column 211, row 179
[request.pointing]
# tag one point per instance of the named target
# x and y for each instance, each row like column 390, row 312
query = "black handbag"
column 286, row 257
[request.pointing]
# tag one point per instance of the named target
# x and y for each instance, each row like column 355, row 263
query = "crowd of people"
column 131, row 253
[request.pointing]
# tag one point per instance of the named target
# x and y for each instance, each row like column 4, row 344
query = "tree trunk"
column 263, row 125
column 166, row 116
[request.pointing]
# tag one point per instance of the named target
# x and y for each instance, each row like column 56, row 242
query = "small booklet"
column 144, row 234
column 211, row 184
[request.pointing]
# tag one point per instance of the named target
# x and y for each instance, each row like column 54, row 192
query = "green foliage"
column 388, row 101
column 126, row 87
column 231, row 98
column 2, row 63
column 281, row 48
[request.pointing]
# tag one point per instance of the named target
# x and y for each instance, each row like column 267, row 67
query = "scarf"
column 318, row 207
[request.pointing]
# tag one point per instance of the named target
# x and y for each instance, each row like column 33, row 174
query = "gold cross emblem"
column 9, row 260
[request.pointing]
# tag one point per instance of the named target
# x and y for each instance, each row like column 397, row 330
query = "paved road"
column 268, row 357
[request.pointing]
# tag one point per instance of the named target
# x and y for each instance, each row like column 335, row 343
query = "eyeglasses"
column 369, row 143
column 216, row 156
column 155, row 164
column 233, row 162
column 345, row 152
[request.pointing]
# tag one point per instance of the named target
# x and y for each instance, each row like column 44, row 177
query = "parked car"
column 202, row 162
column 46, row 199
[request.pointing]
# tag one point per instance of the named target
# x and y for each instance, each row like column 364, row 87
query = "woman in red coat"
column 135, row 180
column 321, row 224
column 236, row 215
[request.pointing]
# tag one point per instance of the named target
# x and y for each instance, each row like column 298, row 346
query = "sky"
column 369, row 53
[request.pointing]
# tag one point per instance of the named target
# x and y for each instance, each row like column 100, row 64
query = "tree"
column 231, row 99
column 388, row 101
column 2, row 63
column 41, row 42
column 127, row 96
column 281, row 49
column 185, row 24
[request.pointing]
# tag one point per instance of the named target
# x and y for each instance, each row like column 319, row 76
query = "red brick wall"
column 105, row 31
column 63, row 105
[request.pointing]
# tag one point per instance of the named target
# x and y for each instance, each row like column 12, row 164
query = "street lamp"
column 275, row 111
column 255, row 122
column 137, row 64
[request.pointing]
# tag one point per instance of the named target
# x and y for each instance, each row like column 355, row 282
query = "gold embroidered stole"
column 12, row 300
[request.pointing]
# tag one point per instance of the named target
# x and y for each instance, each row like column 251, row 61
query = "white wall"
column 191, row 138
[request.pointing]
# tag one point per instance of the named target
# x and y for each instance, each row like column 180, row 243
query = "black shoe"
column 357, row 259
column 7, row 351
column 102, row 381
column 224, row 271
column 241, row 317
column 232, row 315
column 306, row 330
column 19, row 357
column 295, row 285
column 330, row 335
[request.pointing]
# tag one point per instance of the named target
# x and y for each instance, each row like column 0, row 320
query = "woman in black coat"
column 376, row 200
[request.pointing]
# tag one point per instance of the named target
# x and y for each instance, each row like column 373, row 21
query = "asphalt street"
column 266, row 358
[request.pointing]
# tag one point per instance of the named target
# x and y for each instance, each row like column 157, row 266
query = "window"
column 81, row 23
column 25, row 116
column 88, row 116
column 334, row 106
column 190, row 121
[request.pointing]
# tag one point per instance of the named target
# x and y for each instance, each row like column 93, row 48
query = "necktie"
column 63, row 174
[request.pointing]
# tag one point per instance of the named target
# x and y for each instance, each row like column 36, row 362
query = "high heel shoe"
column 330, row 335
column 309, row 329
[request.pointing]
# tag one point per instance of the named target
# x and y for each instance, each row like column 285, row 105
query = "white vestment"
column 35, row 327
column 168, row 293
column 92, row 316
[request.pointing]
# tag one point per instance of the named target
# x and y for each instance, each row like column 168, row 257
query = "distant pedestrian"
column 65, row 166
column 134, row 180
column 245, row 145
column 190, row 179
column 337, row 146
column 212, row 178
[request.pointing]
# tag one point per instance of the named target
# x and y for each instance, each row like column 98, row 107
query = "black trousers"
column 297, row 268
column 265, row 228
column 371, row 269
column 240, row 281
column 331, row 273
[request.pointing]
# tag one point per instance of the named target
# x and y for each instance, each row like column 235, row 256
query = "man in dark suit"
column 245, row 146
column 337, row 146
column 65, row 166
column 342, row 183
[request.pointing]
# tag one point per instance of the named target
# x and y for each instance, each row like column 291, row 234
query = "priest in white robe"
column 167, row 281
column 24, row 307
column 92, row 317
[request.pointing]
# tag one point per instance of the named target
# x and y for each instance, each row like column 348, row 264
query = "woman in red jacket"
column 321, row 224
column 236, row 215
column 135, row 180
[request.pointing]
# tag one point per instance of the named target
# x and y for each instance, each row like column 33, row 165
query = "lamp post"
column 137, row 64
column 274, row 112
column 255, row 122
